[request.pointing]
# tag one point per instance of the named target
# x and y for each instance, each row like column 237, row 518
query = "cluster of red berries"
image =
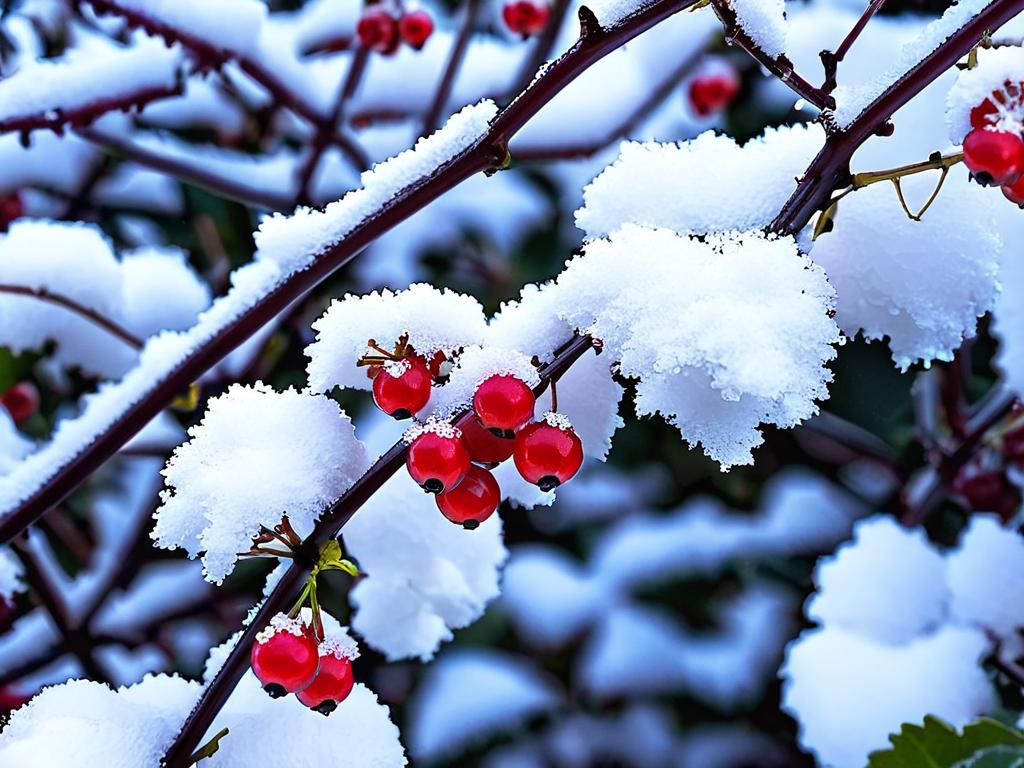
column 712, row 92
column 382, row 30
column 525, row 17
column 288, row 658
column 994, row 149
column 21, row 400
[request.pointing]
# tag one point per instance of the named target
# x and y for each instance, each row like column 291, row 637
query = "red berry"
column 987, row 490
column 284, row 657
column 21, row 400
column 402, row 387
column 713, row 92
column 436, row 363
column 503, row 404
column 548, row 452
column 333, row 682
column 10, row 209
column 1015, row 192
column 986, row 113
column 483, row 446
column 378, row 30
column 436, row 458
column 994, row 157
column 415, row 27
column 473, row 500
column 525, row 17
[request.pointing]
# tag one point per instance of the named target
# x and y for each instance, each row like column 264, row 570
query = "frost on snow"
column 707, row 184
column 921, row 284
column 746, row 342
column 258, row 454
column 144, row 292
column 996, row 67
column 434, row 320
column 894, row 613
column 424, row 576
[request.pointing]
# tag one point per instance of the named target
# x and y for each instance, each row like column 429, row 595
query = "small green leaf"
column 995, row 757
column 938, row 745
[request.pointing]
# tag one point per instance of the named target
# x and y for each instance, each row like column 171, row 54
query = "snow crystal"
column 853, row 100
column 921, row 284
column 883, row 559
column 986, row 577
column 746, row 343
column 470, row 694
column 258, row 454
column 996, row 67
column 531, row 324
column 707, row 184
column 87, row 77
column 850, row 692
column 295, row 241
column 14, row 446
column 424, row 576
column 434, row 320
column 765, row 22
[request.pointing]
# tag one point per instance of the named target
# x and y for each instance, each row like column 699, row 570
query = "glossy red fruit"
column 378, row 30
column 21, row 400
column 436, row 458
column 436, row 365
column 503, row 404
column 333, row 682
column 984, row 114
column 473, row 500
column 402, row 387
column 548, row 452
column 1015, row 192
column 284, row 657
column 483, row 446
column 415, row 27
column 525, row 17
column 713, row 92
column 10, row 209
column 987, row 490
column 994, row 157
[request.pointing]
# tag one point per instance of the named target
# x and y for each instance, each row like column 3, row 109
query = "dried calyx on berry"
column 548, row 452
column 436, row 459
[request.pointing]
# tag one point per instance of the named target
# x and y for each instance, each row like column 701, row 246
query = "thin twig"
column 830, row 59
column 91, row 315
column 452, row 67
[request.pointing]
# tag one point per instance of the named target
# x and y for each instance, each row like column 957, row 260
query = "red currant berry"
column 483, row 446
column 10, row 209
column 548, row 452
column 986, row 114
column 713, row 92
column 503, row 404
column 284, row 657
column 436, row 365
column 436, row 458
column 415, row 27
column 473, row 500
column 987, row 490
column 21, row 400
column 378, row 30
column 525, row 17
column 333, row 682
column 402, row 387
column 1015, row 192
column 994, row 157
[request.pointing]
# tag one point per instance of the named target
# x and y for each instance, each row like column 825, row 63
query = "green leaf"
column 995, row 757
column 938, row 745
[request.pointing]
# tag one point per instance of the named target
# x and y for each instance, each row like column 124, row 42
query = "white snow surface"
column 765, row 22
column 257, row 454
column 996, row 67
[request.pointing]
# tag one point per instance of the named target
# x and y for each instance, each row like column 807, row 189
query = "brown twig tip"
column 590, row 27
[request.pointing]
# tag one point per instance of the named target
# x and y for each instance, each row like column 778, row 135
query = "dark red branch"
column 541, row 50
column 452, row 67
column 90, row 315
column 830, row 59
column 486, row 153
column 779, row 66
column 57, row 120
column 216, row 693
